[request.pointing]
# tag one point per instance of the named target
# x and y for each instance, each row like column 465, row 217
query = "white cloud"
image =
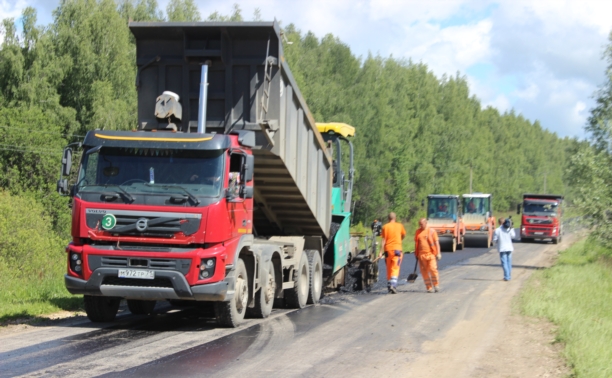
column 580, row 112
column 445, row 50
column 11, row 9
column 407, row 12
column 529, row 93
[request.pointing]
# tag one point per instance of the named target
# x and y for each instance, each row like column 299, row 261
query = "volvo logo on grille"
column 142, row 224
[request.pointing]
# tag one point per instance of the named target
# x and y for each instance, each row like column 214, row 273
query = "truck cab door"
column 240, row 206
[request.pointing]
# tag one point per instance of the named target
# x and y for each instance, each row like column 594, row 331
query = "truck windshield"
column 476, row 205
column 540, row 208
column 442, row 208
column 153, row 171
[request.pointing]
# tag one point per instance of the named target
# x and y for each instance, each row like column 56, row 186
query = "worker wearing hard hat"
column 392, row 235
column 427, row 249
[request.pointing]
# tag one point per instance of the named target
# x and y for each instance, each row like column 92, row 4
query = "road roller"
column 478, row 219
column 444, row 216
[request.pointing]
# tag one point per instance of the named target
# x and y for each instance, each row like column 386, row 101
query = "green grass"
column 30, row 298
column 576, row 295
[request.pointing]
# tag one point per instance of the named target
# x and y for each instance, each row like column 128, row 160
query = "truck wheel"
column 315, row 268
column 138, row 307
column 297, row 296
column 526, row 240
column 231, row 314
column 264, row 298
column 101, row 309
column 555, row 240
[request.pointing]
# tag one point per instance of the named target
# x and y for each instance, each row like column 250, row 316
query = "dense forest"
column 416, row 133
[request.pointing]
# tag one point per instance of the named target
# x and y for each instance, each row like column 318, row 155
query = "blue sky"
column 542, row 58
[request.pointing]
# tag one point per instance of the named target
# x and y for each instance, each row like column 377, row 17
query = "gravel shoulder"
column 496, row 340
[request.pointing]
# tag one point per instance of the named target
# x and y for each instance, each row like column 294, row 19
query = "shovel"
column 413, row 276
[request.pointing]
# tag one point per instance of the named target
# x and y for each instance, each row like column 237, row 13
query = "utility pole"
column 471, row 179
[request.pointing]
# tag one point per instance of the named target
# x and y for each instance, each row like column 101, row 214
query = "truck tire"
column 555, row 240
column 315, row 270
column 526, row 240
column 264, row 298
column 101, row 309
column 231, row 314
column 138, row 307
column 297, row 296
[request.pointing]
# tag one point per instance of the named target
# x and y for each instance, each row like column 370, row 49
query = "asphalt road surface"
column 349, row 334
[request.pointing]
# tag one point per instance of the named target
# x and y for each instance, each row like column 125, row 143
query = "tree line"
column 417, row 133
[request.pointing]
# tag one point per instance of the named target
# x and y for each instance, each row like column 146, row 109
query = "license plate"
column 136, row 273
column 538, row 233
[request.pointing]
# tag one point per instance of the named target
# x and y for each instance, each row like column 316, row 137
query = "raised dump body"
column 250, row 87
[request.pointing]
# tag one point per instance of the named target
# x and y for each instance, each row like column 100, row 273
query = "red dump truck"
column 222, row 193
column 541, row 217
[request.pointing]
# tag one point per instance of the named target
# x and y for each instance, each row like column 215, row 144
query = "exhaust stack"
column 203, row 98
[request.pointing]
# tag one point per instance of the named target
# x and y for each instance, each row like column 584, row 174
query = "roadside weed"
column 576, row 295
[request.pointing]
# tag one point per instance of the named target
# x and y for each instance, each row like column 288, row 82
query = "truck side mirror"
column 249, row 167
column 518, row 209
column 66, row 161
column 422, row 203
column 62, row 187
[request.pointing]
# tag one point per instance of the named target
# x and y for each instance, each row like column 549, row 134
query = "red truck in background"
column 542, row 217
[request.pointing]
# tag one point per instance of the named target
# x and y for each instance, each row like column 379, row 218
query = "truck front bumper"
column 167, row 285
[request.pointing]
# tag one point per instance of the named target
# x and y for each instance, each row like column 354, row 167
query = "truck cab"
column 541, row 217
column 444, row 216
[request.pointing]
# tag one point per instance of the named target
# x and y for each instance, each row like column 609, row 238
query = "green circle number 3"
column 109, row 221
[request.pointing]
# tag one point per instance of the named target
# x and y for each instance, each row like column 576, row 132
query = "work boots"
column 437, row 289
column 430, row 290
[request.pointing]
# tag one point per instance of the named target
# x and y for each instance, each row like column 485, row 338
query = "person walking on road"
column 427, row 250
column 503, row 238
column 392, row 235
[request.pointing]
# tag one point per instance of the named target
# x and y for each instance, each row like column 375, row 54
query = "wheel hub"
column 303, row 282
column 271, row 288
column 242, row 291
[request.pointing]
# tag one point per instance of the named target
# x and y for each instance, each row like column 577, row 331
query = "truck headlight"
column 207, row 267
column 554, row 230
column 75, row 262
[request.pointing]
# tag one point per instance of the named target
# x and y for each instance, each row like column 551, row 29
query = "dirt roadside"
column 497, row 341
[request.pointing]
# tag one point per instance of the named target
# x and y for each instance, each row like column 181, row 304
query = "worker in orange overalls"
column 392, row 235
column 427, row 249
